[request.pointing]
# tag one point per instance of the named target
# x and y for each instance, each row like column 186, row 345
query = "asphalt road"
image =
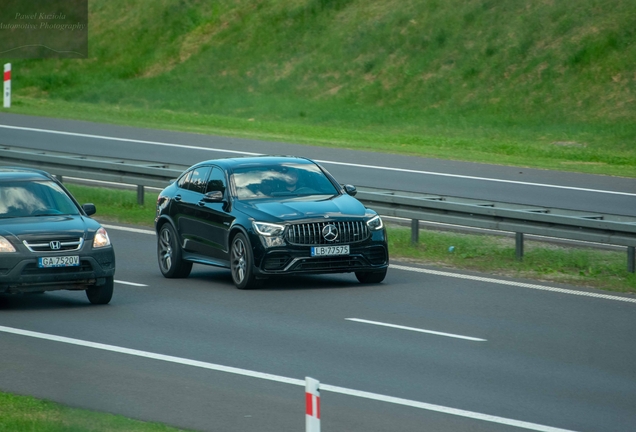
column 471, row 353
column 590, row 193
column 544, row 359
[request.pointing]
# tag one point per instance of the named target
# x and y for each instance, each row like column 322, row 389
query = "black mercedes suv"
column 48, row 241
column 267, row 215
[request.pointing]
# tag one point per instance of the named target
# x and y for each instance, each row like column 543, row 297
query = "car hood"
column 301, row 208
column 43, row 227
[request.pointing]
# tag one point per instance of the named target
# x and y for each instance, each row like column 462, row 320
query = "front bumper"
column 19, row 273
column 295, row 260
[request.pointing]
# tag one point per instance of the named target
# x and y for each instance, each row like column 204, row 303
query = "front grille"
column 55, row 244
column 312, row 233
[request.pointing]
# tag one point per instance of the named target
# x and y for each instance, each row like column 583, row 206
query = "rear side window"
column 184, row 180
column 195, row 179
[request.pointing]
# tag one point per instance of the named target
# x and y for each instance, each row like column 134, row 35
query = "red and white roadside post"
column 7, row 85
column 312, row 405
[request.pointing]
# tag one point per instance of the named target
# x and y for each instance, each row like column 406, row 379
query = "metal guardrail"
column 520, row 219
column 118, row 170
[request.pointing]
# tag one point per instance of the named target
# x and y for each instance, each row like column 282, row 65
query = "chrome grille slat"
column 311, row 233
column 45, row 245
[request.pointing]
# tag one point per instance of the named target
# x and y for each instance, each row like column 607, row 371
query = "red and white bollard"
column 7, row 85
column 312, row 405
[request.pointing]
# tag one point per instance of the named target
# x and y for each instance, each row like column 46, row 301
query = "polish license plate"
column 330, row 250
column 60, row 261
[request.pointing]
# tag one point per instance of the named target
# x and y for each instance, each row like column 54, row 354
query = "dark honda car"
column 267, row 215
column 48, row 241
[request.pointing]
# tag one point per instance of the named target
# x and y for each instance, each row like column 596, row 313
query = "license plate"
column 60, row 261
column 330, row 250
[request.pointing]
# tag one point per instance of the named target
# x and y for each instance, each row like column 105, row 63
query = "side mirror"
column 350, row 190
column 215, row 196
column 89, row 208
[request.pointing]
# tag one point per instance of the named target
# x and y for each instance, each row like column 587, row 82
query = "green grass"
column 26, row 414
column 586, row 267
column 545, row 85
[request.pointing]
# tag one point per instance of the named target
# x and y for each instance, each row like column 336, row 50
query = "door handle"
column 177, row 198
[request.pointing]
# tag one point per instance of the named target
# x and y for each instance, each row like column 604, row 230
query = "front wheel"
column 101, row 294
column 371, row 277
column 242, row 263
column 169, row 254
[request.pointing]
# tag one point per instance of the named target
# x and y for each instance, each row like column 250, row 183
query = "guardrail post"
column 631, row 259
column 519, row 246
column 140, row 194
column 312, row 405
column 415, row 231
column 59, row 178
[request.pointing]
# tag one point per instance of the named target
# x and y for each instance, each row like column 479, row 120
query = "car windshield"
column 34, row 198
column 284, row 180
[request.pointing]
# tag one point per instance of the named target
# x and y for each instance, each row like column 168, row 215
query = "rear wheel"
column 371, row 277
column 242, row 263
column 169, row 254
column 101, row 294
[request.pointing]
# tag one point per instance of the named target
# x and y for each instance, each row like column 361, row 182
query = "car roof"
column 23, row 174
column 255, row 161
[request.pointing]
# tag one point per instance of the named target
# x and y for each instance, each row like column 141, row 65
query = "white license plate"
column 330, row 250
column 59, row 261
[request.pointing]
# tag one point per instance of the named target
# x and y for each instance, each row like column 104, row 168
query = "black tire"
column 101, row 294
column 169, row 254
column 242, row 263
column 371, row 277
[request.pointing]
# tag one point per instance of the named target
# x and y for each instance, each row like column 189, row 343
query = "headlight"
column 101, row 239
column 271, row 235
column 268, row 229
column 375, row 223
column 5, row 245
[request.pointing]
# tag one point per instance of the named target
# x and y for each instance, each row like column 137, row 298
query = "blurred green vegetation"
column 26, row 413
column 543, row 84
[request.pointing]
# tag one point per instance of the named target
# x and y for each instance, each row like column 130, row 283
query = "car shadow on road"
column 285, row 283
column 42, row 301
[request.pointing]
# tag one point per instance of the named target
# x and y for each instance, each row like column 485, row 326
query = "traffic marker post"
column 7, row 85
column 312, row 405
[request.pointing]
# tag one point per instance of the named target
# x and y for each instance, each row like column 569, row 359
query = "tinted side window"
column 184, row 180
column 198, row 178
column 194, row 179
column 216, row 182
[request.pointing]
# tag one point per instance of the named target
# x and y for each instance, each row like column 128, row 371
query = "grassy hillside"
column 542, row 83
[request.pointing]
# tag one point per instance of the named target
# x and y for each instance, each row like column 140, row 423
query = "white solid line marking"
column 476, row 178
column 513, row 283
column 157, row 143
column 285, row 380
column 130, row 283
column 451, row 335
column 123, row 228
